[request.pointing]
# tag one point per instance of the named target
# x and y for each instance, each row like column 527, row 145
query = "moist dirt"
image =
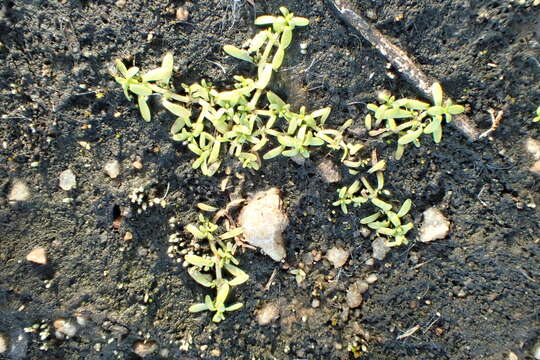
column 473, row 295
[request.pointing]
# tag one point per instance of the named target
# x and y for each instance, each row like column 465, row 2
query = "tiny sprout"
column 537, row 118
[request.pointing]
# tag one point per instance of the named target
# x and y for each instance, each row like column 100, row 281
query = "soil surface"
column 473, row 295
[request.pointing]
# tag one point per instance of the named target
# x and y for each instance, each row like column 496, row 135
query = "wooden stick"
column 399, row 59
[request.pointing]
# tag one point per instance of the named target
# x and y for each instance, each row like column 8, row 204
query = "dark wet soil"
column 474, row 295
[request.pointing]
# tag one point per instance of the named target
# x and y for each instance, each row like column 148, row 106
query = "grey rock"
column 379, row 248
column 67, row 180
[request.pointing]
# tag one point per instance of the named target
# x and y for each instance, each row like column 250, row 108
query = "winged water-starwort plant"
column 409, row 118
column 244, row 120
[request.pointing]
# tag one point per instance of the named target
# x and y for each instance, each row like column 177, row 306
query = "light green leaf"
column 222, row 293
column 258, row 41
column 371, row 218
column 380, row 165
column 198, row 260
column 437, row 92
column 140, row 89
column 143, row 108
column 195, row 231
column 200, row 278
column 132, row 71
column 206, row 207
column 176, row 109
column 381, row 204
column 273, row 153
column 234, row 307
column 410, row 136
column 286, row 37
column 198, row 308
column 231, row 233
column 122, row 68
column 396, row 113
column 435, row 110
column 240, row 276
column 265, row 74
column 265, row 20
column 455, row 109
column 237, row 53
column 278, row 58
column 299, row 21
column 159, row 74
column 405, row 208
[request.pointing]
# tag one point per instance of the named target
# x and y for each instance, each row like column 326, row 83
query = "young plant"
column 409, row 118
column 208, row 269
column 385, row 221
column 537, row 118
column 241, row 121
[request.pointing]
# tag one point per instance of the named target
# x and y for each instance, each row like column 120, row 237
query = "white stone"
column 268, row 313
column 354, row 296
column 329, row 172
column 19, row 192
column 67, row 180
column 263, row 222
column 112, row 168
column 536, row 350
column 64, row 328
column 37, row 255
column 4, row 343
column 533, row 147
column 435, row 225
column 379, row 248
column 144, row 348
column 337, row 256
column 372, row 278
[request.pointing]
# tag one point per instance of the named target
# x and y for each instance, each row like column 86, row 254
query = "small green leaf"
column 435, row 110
column 195, row 231
column 200, row 278
column 397, row 114
column 206, row 207
column 265, row 20
column 405, row 208
column 299, row 21
column 234, row 307
column 177, row 126
column 176, row 109
column 159, row 74
column 231, row 233
column 399, row 152
column 410, row 136
column 237, row 53
column 381, row 204
column 278, row 58
column 258, row 41
column 240, row 276
column 274, row 99
column 140, row 89
column 380, row 165
column 265, row 74
column 455, row 109
column 122, row 68
column 198, row 260
column 132, row 71
column 198, row 308
column 222, row 293
column 437, row 92
column 143, row 108
column 286, row 37
column 273, row 153
column 371, row 218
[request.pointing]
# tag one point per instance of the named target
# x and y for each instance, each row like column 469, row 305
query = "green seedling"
column 208, row 269
column 537, row 118
column 241, row 121
column 385, row 221
column 409, row 118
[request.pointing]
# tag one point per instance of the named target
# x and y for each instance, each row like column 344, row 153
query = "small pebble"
column 435, row 225
column 4, row 343
column 354, row 296
column 37, row 255
column 337, row 256
column 512, row 356
column 128, row 236
column 112, row 168
column 365, row 232
column 372, row 278
column 215, row 353
column 535, row 169
column 67, row 180
column 19, row 192
column 379, row 248
column 182, row 14
column 144, row 348
column 64, row 328
column 268, row 313
column 121, row 3
column 533, row 147
column 536, row 350
column 137, row 164
column 329, row 172
column 370, row 262
column 315, row 303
